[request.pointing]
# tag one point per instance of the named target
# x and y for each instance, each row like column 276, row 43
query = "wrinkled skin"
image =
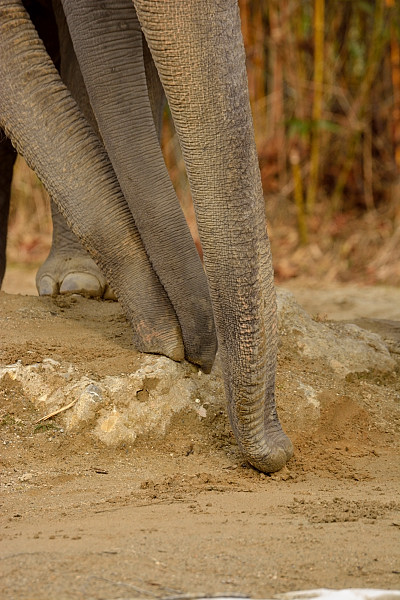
column 119, row 200
column 69, row 268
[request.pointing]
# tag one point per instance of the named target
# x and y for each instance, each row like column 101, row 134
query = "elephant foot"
column 79, row 274
column 281, row 452
column 278, row 452
column 269, row 450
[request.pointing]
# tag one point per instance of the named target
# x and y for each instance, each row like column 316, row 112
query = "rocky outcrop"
column 344, row 347
column 119, row 407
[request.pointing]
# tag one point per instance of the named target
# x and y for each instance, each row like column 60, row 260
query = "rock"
column 344, row 347
column 388, row 330
column 119, row 408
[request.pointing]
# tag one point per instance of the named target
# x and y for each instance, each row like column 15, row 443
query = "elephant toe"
column 46, row 286
column 283, row 446
column 82, row 283
column 288, row 447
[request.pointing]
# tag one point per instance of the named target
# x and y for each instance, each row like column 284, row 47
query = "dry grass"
column 355, row 246
column 324, row 80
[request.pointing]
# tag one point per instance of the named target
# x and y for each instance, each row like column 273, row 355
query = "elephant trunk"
column 45, row 125
column 109, row 45
column 198, row 50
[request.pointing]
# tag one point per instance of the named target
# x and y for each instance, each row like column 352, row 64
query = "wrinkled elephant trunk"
column 47, row 128
column 199, row 54
column 108, row 42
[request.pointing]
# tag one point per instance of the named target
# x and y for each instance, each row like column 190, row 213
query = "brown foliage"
column 324, row 81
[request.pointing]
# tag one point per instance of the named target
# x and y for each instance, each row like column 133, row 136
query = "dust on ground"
column 182, row 514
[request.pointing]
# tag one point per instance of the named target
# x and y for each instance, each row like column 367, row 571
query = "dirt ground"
column 181, row 514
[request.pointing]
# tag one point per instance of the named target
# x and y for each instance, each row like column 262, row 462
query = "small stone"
column 201, row 411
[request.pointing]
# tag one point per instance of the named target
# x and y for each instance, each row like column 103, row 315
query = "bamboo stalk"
column 276, row 105
column 295, row 58
column 395, row 74
column 319, row 22
column 294, row 158
column 336, row 199
column 368, row 167
column 358, row 108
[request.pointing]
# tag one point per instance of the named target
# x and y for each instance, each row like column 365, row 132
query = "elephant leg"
column 7, row 160
column 46, row 126
column 68, row 268
column 198, row 51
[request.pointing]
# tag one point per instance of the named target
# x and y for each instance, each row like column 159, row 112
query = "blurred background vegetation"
column 324, row 81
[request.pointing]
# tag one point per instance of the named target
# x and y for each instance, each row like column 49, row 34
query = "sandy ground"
column 335, row 301
column 181, row 514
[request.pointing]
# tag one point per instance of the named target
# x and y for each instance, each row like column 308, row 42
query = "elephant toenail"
column 81, row 283
column 47, row 286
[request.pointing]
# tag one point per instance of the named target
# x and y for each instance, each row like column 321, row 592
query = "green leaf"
column 327, row 126
column 300, row 127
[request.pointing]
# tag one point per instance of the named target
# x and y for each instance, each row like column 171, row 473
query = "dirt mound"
column 137, row 489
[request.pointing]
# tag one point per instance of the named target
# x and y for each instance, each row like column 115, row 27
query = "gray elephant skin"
column 110, row 183
column 68, row 268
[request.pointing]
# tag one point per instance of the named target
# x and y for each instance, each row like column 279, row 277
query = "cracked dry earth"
column 138, row 490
